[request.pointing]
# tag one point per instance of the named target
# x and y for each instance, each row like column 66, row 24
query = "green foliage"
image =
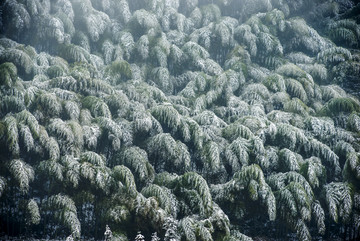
column 211, row 158
column 72, row 110
column 280, row 180
column 49, row 104
column 166, row 154
column 337, row 105
column 161, row 78
column 255, row 94
column 167, row 115
column 72, row 170
column 354, row 122
column 192, row 180
column 65, row 212
column 163, row 196
column 288, row 160
column 339, row 201
column 295, row 89
column 23, row 174
column 83, row 83
column 320, row 127
column 237, row 236
column 141, row 21
column 210, row 13
column 19, row 16
column 237, row 154
column 352, row 166
column 8, row 74
column 12, row 140
column 118, row 214
column 305, row 38
column 2, row 185
column 142, row 47
column 253, row 179
column 124, row 179
column 334, row 55
column 345, row 31
column 302, row 231
column 192, row 119
column 93, row 158
column 52, row 147
column 144, row 122
column 296, row 200
column 19, row 58
column 136, row 160
column 118, row 71
column 53, row 28
column 96, row 106
column 33, row 212
column 52, row 168
column 314, row 172
column 289, row 136
column 171, row 229
column 93, row 169
column 194, row 52
column 275, row 83
column 187, row 226
column 235, row 130
column 332, row 91
column 61, row 130
column 319, row 215
column 73, row 53
column 296, row 106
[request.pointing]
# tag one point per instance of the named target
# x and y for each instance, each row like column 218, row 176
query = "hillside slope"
column 196, row 119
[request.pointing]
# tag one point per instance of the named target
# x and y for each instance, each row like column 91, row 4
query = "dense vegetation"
column 199, row 120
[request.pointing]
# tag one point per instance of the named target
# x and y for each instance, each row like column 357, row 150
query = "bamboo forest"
column 179, row 120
